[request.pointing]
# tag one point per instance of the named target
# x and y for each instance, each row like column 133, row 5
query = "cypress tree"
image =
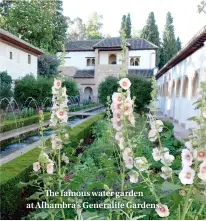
column 179, row 44
column 128, row 26
column 123, row 23
column 169, row 45
column 150, row 32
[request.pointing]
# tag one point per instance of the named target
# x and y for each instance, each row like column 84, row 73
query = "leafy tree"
column 71, row 87
column 39, row 22
column 179, row 44
column 94, row 25
column 77, row 30
column 136, row 33
column 29, row 86
column 140, row 88
column 5, row 87
column 150, row 32
column 128, row 27
column 47, row 66
column 169, row 45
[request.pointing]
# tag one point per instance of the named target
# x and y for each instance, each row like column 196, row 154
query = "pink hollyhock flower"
column 156, row 153
column 133, row 176
column 56, row 142
column 162, row 210
column 187, row 157
column 117, row 125
column 62, row 115
column 127, row 152
column 125, row 83
column 202, row 172
column 116, row 115
column 57, row 84
column 189, row 146
column 128, row 162
column 50, row 167
column 167, row 159
column 127, row 109
column 141, row 163
column 201, row 154
column 187, row 175
column 121, row 143
column 116, row 107
column 36, row 166
column 117, row 97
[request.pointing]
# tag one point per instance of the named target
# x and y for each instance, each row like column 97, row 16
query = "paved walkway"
column 180, row 132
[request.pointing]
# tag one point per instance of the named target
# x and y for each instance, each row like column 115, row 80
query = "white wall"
column 18, row 66
column 147, row 59
column 78, row 59
column 181, row 108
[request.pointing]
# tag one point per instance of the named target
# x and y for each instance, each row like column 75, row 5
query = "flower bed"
column 19, row 169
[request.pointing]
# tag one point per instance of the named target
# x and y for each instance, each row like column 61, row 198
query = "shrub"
column 5, row 88
column 140, row 88
column 47, row 66
column 38, row 89
column 71, row 87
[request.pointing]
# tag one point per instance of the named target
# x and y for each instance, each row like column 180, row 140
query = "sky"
column 187, row 21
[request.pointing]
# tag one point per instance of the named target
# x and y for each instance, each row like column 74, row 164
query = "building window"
column 195, row 84
column 185, row 87
column 29, row 59
column 178, row 88
column 135, row 61
column 90, row 61
column 10, row 55
column 112, row 59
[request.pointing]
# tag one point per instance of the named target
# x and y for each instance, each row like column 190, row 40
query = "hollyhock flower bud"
column 65, row 158
column 121, row 143
column 182, row 193
column 133, row 176
column 43, row 158
column 162, row 210
column 204, row 112
column 201, row 154
column 167, row 159
column 36, row 166
column 156, row 153
column 202, row 171
column 56, row 142
column 57, row 84
column 152, row 135
column 186, row 175
column 167, row 172
column 125, row 83
column 141, row 163
column 187, row 157
column 50, row 167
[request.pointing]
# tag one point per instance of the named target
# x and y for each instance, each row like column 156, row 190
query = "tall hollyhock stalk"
column 51, row 165
column 193, row 171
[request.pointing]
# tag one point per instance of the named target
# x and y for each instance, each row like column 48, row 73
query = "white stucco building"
column 90, row 61
column 178, row 81
column 17, row 57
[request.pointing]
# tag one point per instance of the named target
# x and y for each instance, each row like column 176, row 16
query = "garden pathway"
column 180, row 132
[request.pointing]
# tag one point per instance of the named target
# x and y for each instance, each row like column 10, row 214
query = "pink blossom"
column 187, row 175
column 50, row 167
column 133, row 176
column 36, row 166
column 162, row 210
column 125, row 83
column 202, row 171
column 117, row 97
column 187, row 157
column 57, row 84
column 201, row 154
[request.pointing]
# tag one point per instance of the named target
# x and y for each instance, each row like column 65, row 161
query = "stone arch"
column 185, row 87
column 88, row 92
column 112, row 59
column 178, row 88
column 195, row 83
column 88, row 62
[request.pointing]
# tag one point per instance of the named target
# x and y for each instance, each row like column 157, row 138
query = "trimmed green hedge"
column 12, row 125
column 19, row 169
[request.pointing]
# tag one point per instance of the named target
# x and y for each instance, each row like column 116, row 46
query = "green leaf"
column 167, row 186
column 200, row 198
column 42, row 215
column 22, row 184
column 35, row 196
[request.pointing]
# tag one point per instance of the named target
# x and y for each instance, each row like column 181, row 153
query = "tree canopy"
column 77, row 30
column 126, row 25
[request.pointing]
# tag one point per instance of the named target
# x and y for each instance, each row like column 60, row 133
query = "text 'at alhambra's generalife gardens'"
column 80, row 204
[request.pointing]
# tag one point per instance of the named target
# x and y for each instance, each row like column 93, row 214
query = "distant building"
column 178, row 81
column 17, row 57
column 90, row 61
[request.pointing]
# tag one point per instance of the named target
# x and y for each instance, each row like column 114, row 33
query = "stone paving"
column 180, row 132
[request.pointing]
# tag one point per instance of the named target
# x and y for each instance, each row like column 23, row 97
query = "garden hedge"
column 19, row 169
column 12, row 125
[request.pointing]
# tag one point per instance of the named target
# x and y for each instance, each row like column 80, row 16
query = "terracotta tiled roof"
column 90, row 45
column 148, row 73
column 84, row 74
